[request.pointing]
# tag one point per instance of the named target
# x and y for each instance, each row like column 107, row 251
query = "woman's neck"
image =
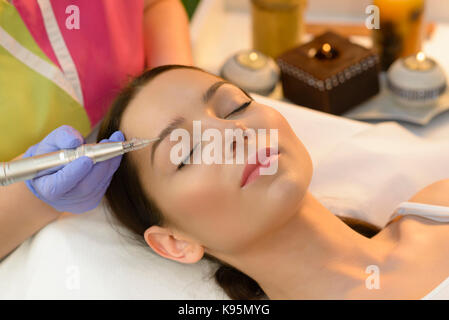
column 315, row 255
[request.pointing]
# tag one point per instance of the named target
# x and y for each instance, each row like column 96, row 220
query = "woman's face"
column 206, row 203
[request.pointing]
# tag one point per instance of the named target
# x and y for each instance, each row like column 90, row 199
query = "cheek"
column 200, row 194
column 270, row 118
column 203, row 204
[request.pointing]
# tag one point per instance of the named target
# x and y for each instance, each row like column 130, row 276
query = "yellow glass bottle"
column 278, row 25
column 401, row 29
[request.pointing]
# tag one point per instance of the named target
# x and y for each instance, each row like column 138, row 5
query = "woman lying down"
column 272, row 238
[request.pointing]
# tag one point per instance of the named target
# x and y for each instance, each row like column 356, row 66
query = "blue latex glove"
column 80, row 185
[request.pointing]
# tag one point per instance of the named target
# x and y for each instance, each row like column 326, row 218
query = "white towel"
column 370, row 173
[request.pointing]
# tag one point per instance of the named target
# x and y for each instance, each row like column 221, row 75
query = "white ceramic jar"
column 416, row 81
column 252, row 71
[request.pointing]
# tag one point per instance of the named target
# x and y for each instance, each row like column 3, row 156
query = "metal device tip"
column 136, row 144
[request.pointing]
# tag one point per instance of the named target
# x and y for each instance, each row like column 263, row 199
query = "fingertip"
column 85, row 162
column 70, row 137
column 117, row 136
column 98, row 173
column 79, row 168
column 74, row 143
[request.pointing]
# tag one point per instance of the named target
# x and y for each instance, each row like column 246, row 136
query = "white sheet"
column 361, row 170
column 441, row 292
column 83, row 257
column 370, row 173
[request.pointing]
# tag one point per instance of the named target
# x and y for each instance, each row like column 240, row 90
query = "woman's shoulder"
column 436, row 193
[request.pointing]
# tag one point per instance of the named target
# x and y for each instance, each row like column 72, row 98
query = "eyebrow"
column 213, row 88
column 174, row 124
column 178, row 121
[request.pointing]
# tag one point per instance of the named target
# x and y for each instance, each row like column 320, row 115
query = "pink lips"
column 252, row 168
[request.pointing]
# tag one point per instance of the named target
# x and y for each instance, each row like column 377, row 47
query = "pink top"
column 107, row 49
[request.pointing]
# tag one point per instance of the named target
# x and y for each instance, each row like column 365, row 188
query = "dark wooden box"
column 332, row 85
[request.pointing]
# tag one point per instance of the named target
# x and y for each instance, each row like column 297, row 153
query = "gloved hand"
column 80, row 185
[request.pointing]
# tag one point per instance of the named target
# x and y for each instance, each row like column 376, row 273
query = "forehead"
column 173, row 93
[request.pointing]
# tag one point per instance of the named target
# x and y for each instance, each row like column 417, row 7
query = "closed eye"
column 183, row 162
column 242, row 107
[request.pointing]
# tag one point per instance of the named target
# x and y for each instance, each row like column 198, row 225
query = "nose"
column 223, row 125
column 234, row 133
column 240, row 125
column 247, row 136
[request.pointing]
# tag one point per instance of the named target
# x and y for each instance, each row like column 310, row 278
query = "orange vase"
column 401, row 29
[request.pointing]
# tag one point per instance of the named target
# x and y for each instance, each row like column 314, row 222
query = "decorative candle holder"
column 416, row 81
column 252, row 71
column 330, row 74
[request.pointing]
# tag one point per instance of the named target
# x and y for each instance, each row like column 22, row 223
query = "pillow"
column 86, row 257
column 360, row 170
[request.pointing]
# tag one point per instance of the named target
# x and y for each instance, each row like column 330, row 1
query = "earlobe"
column 193, row 253
column 167, row 245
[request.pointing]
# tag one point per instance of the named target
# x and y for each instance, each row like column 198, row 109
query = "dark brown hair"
column 132, row 208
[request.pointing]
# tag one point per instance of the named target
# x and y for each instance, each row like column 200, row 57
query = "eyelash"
column 182, row 164
column 242, row 107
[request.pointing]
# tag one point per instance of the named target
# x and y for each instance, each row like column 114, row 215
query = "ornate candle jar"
column 416, row 81
column 330, row 74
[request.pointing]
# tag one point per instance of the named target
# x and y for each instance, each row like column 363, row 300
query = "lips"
column 254, row 163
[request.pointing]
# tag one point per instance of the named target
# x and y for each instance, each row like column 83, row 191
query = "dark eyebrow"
column 213, row 88
column 174, row 124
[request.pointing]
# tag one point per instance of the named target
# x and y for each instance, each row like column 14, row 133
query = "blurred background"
column 190, row 6
column 344, row 10
column 224, row 34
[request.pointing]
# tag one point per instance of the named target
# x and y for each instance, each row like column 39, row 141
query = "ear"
column 164, row 242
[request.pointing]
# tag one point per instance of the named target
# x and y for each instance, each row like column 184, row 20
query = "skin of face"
column 205, row 208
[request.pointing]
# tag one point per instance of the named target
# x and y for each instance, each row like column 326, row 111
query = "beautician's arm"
column 166, row 32
column 21, row 215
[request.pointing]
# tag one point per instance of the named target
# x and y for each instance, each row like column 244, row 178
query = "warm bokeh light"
column 326, row 48
column 253, row 56
column 420, row 56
